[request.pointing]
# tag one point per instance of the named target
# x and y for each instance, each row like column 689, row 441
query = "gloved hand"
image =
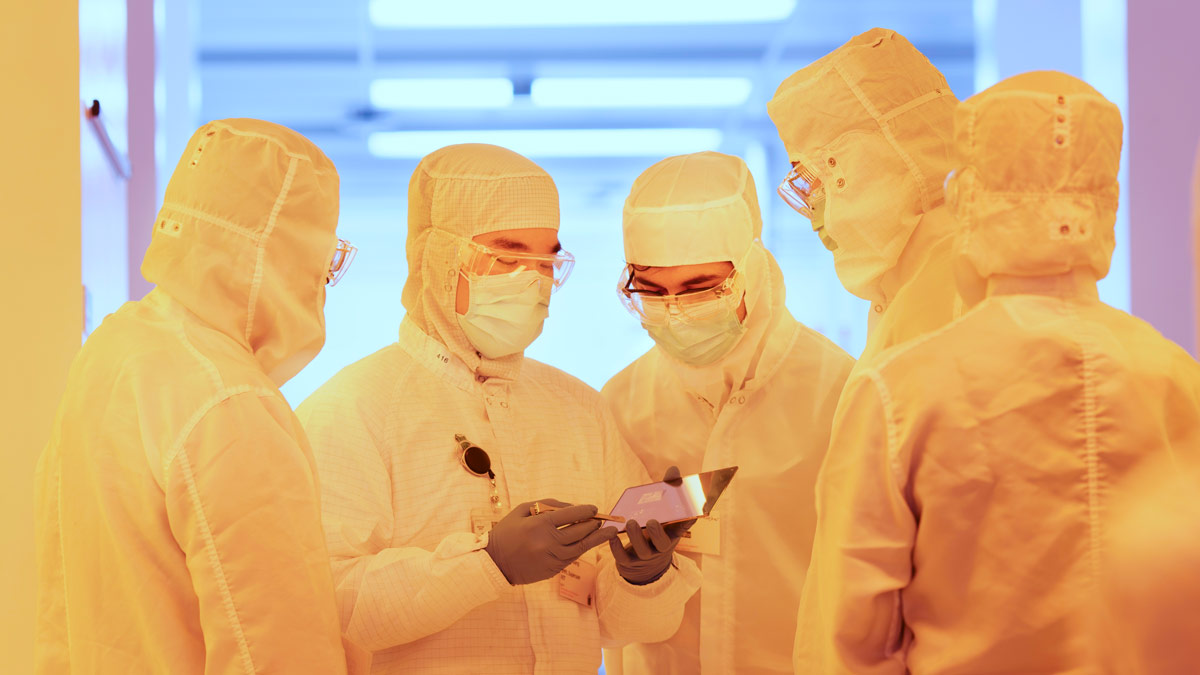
column 529, row 548
column 651, row 548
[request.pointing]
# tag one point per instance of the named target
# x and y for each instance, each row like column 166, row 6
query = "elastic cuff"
column 496, row 578
column 651, row 589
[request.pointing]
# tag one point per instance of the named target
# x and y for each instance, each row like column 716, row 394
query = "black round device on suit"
column 474, row 458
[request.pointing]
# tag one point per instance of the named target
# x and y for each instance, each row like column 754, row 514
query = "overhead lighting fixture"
column 639, row 92
column 466, row 92
column 551, row 142
column 492, row 14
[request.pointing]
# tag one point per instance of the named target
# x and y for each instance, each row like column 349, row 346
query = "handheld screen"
column 692, row 497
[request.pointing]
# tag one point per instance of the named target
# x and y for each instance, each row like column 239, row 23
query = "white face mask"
column 506, row 312
column 699, row 343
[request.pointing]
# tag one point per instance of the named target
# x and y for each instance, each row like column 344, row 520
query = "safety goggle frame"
column 801, row 189
column 477, row 260
column 653, row 308
column 343, row 255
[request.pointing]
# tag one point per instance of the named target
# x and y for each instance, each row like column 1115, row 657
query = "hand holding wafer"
column 542, row 507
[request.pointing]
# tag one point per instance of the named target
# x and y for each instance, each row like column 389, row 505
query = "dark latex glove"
column 651, row 548
column 529, row 548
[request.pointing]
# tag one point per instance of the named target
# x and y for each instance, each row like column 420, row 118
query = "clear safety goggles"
column 803, row 191
column 657, row 309
column 475, row 259
column 342, row 257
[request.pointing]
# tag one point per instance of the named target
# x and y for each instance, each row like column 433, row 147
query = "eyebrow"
column 514, row 245
column 703, row 279
column 508, row 244
column 645, row 282
column 700, row 279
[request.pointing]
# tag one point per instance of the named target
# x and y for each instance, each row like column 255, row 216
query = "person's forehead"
column 681, row 273
column 528, row 239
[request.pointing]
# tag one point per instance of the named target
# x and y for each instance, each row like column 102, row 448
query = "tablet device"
column 691, row 497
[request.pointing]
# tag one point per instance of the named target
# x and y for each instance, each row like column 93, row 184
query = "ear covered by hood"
column 1036, row 189
column 456, row 193
column 245, row 238
column 873, row 120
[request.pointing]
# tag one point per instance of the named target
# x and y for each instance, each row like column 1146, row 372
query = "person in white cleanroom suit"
column 178, row 524
column 439, row 564
column 733, row 379
column 869, row 130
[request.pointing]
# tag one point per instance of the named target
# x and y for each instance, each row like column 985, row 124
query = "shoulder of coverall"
column 560, row 385
column 205, row 360
column 1167, row 359
column 812, row 345
column 642, row 369
column 245, row 235
column 1036, row 189
column 373, row 377
column 168, row 374
column 867, row 85
column 363, row 393
column 881, row 365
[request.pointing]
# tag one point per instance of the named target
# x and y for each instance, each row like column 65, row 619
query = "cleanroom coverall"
column 766, row 407
column 178, row 529
column 413, row 581
column 963, row 504
column 873, row 120
column 1152, row 590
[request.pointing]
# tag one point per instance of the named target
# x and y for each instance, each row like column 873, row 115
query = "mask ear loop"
column 742, row 280
column 739, row 268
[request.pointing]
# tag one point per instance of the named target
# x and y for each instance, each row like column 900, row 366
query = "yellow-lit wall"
column 41, row 314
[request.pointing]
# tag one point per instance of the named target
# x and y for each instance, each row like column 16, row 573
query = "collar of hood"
column 456, row 193
column 1078, row 284
column 245, row 238
column 873, row 120
column 931, row 230
column 431, row 353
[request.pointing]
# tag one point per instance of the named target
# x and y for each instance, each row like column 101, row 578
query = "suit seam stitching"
column 1092, row 459
column 881, row 122
column 270, row 139
column 892, row 434
column 206, row 363
column 205, row 408
column 175, row 208
column 261, row 248
column 210, row 548
column 891, row 451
